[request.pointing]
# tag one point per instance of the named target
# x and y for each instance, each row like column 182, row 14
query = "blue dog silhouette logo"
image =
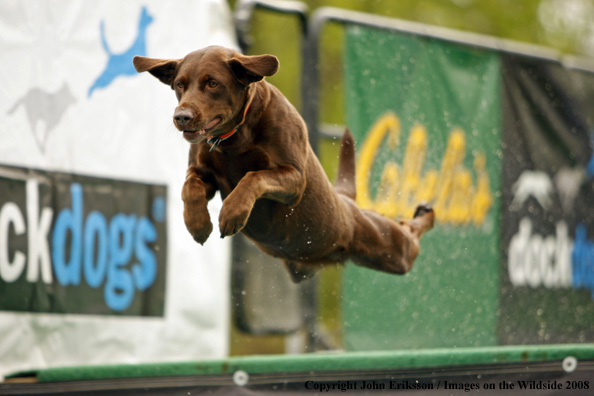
column 121, row 64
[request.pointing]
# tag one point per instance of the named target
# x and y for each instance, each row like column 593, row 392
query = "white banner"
column 71, row 103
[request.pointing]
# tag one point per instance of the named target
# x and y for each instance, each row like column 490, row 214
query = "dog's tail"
column 345, row 181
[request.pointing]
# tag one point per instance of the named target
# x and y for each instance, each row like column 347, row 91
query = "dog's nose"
column 183, row 116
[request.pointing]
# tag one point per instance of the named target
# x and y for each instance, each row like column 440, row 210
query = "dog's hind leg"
column 422, row 220
column 385, row 245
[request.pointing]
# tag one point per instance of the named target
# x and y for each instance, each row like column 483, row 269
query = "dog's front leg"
column 285, row 184
column 195, row 194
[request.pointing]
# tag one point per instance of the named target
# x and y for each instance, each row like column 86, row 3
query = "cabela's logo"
column 451, row 190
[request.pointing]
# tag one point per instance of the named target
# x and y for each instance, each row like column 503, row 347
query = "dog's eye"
column 179, row 84
column 212, row 83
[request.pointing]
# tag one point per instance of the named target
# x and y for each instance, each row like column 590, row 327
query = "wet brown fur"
column 273, row 187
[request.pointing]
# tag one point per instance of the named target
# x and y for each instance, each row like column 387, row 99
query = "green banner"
column 426, row 117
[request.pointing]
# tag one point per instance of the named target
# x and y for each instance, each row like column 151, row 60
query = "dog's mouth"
column 193, row 136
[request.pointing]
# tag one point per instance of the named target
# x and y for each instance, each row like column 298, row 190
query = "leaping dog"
column 250, row 144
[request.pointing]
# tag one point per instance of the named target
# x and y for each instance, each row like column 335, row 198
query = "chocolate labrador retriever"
column 250, row 144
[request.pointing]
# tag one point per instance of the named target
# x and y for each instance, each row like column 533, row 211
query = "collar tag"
column 214, row 141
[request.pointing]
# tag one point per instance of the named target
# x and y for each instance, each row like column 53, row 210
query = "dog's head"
column 211, row 86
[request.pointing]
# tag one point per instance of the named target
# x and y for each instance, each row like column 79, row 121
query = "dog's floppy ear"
column 164, row 69
column 249, row 69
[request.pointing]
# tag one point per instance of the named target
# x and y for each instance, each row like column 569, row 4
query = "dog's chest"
column 231, row 168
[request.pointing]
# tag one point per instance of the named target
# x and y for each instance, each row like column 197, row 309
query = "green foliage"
column 561, row 24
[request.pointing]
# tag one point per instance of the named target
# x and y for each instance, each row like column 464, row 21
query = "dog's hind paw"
column 422, row 208
column 423, row 219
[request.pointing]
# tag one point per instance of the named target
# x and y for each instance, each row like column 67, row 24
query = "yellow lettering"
column 450, row 189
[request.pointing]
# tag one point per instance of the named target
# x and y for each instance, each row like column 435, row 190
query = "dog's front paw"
column 196, row 214
column 233, row 218
column 197, row 222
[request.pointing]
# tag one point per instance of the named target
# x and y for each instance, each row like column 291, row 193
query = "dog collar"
column 214, row 141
